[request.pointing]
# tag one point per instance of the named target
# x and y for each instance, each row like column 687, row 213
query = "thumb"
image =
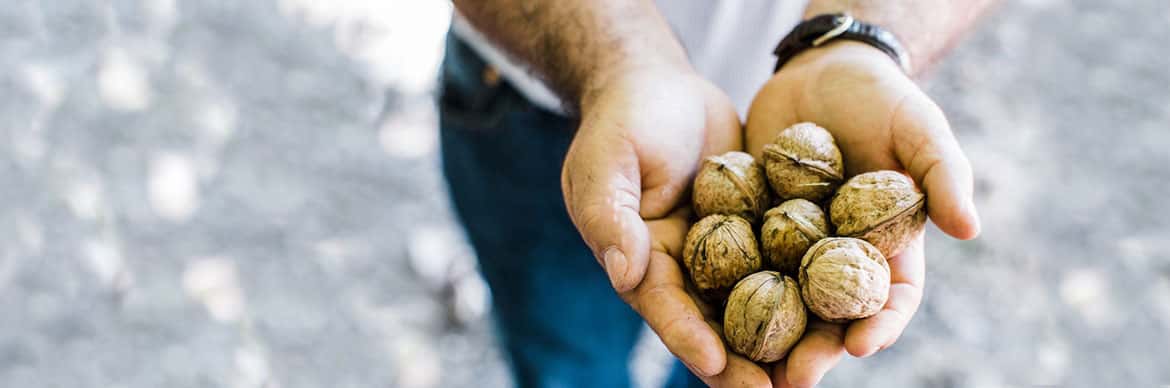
column 925, row 145
column 602, row 189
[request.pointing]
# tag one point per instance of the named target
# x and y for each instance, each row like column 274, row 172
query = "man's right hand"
column 647, row 120
column 643, row 134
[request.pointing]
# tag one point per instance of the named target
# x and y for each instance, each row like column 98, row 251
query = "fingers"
column 740, row 372
column 663, row 302
column 735, row 370
column 824, row 343
column 818, row 351
column 780, row 375
column 924, row 144
column 907, row 275
column 601, row 186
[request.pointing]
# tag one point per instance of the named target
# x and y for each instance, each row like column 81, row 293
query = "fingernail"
column 875, row 349
column 615, row 267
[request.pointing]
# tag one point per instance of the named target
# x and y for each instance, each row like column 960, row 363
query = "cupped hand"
column 881, row 121
column 642, row 137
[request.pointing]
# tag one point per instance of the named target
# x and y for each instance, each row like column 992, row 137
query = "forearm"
column 576, row 45
column 927, row 28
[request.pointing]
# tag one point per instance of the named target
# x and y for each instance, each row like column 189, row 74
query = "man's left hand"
column 881, row 120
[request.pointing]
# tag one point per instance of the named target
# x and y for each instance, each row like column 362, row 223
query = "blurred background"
column 247, row 194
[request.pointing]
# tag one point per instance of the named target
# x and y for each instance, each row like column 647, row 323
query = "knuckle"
column 591, row 223
column 603, row 215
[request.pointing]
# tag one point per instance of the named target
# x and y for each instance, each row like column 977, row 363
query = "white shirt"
column 729, row 42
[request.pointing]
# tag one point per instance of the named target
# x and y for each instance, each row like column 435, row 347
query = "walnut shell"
column 844, row 278
column 732, row 183
column 803, row 162
column 719, row 250
column 789, row 230
column 882, row 207
column 764, row 316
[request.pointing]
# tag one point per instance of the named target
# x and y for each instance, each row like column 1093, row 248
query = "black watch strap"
column 826, row 28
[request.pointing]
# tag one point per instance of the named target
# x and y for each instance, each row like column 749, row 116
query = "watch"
column 822, row 29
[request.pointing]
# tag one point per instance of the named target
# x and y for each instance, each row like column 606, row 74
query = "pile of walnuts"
column 768, row 266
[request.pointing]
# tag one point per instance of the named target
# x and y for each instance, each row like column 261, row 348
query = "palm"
column 881, row 121
column 855, row 100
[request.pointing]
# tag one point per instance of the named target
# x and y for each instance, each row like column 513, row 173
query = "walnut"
column 788, row 231
column 882, row 207
column 764, row 316
column 719, row 250
column 844, row 278
column 803, row 162
column 732, row 183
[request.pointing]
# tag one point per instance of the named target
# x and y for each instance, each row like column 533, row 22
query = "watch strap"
column 823, row 29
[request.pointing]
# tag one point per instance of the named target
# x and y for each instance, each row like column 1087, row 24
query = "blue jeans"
column 560, row 322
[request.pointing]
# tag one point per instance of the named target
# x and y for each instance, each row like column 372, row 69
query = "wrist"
column 841, row 52
column 614, row 77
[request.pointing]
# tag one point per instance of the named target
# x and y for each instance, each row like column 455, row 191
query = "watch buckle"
column 844, row 22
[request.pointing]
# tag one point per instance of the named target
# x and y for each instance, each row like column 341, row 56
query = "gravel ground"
column 247, row 194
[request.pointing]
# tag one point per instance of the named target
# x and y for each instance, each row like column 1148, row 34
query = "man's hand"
column 643, row 134
column 647, row 120
column 881, row 121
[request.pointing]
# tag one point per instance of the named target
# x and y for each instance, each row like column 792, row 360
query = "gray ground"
column 223, row 193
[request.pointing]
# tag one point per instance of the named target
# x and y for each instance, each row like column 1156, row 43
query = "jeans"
column 559, row 320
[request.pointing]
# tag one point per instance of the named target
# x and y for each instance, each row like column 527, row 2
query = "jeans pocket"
column 470, row 96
